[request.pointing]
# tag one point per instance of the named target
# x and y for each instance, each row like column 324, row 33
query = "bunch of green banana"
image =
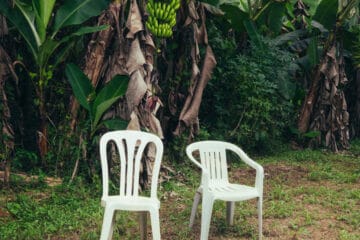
column 162, row 16
column 157, row 28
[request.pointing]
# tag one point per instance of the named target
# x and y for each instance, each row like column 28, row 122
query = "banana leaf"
column 74, row 12
column 43, row 10
column 15, row 16
column 326, row 13
column 108, row 96
column 82, row 88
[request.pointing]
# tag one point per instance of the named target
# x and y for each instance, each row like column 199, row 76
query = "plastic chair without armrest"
column 215, row 184
column 130, row 146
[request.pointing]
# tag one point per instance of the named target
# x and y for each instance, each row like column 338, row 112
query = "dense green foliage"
column 249, row 99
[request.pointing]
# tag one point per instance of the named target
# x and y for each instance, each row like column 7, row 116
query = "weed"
column 278, row 193
column 279, row 209
column 345, row 235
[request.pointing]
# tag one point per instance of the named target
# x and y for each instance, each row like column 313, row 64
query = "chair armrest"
column 259, row 180
column 246, row 159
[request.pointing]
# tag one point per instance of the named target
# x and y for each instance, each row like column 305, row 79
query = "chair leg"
column 155, row 224
column 259, row 206
column 194, row 208
column 108, row 224
column 230, row 206
column 207, row 206
column 143, row 225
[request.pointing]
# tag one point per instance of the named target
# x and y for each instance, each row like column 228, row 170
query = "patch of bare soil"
column 50, row 181
column 4, row 213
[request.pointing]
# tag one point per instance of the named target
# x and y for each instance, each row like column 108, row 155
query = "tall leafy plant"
column 97, row 103
column 34, row 20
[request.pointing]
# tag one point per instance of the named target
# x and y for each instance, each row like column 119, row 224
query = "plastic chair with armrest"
column 215, row 184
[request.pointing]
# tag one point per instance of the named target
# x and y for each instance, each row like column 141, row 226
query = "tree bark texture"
column 194, row 22
column 330, row 116
column 7, row 134
column 355, row 120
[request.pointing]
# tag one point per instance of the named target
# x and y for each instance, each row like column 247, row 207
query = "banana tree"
column 7, row 138
column 325, row 107
column 355, row 108
column 39, row 22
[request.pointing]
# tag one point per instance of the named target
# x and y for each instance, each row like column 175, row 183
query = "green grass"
column 307, row 194
column 38, row 212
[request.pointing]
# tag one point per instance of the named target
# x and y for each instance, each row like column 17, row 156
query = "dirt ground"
column 317, row 218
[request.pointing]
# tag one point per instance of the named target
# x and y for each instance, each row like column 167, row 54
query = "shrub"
column 248, row 100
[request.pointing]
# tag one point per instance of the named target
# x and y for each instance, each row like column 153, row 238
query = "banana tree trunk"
column 325, row 108
column 309, row 102
column 356, row 111
column 7, row 133
column 42, row 137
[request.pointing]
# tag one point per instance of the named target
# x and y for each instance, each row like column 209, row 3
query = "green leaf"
column 80, row 84
column 235, row 15
column 242, row 4
column 326, row 13
column 289, row 37
column 312, row 134
column 46, row 50
column 276, row 12
column 15, row 16
column 115, row 124
column 74, row 12
column 108, row 96
column 63, row 53
column 312, row 52
column 69, row 40
column 101, row 108
column 83, row 31
column 313, row 4
column 29, row 15
column 253, row 34
column 111, row 124
column 44, row 9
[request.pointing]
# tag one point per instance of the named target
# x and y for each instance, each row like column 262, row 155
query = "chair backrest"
column 212, row 156
column 130, row 146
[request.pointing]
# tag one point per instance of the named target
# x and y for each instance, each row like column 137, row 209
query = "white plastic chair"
column 215, row 184
column 130, row 146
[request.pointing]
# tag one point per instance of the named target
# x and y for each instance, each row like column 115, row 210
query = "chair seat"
column 131, row 203
column 232, row 192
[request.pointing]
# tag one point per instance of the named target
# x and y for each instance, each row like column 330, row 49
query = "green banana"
column 150, row 8
column 162, row 17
